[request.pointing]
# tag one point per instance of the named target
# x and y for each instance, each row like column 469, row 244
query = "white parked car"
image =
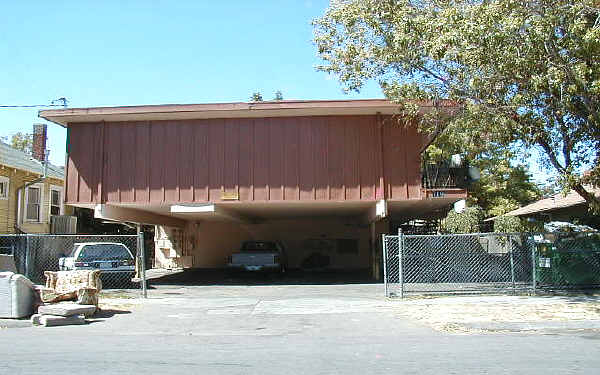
column 109, row 257
column 256, row 256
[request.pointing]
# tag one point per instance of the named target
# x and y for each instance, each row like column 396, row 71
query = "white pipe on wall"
column 19, row 208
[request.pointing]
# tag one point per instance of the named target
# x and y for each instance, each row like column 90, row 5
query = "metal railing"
column 33, row 254
column 442, row 176
column 490, row 262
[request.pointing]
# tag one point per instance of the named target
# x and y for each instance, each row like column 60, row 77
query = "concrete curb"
column 533, row 326
column 15, row 323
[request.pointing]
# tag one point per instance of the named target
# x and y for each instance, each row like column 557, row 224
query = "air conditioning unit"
column 63, row 224
column 16, row 296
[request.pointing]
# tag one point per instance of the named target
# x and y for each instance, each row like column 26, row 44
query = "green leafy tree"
column 502, row 187
column 515, row 224
column 278, row 95
column 508, row 224
column 523, row 74
column 20, row 141
column 256, row 97
column 470, row 220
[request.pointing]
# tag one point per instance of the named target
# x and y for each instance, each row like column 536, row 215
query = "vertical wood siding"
column 333, row 158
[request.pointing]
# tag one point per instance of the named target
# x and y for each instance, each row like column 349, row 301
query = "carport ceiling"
column 265, row 211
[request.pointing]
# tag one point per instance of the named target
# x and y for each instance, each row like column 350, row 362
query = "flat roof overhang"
column 249, row 211
column 283, row 108
column 253, row 212
column 430, row 208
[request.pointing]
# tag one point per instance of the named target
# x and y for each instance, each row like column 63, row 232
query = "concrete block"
column 55, row 321
column 67, row 309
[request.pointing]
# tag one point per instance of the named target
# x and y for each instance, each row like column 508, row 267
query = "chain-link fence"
column 490, row 262
column 118, row 257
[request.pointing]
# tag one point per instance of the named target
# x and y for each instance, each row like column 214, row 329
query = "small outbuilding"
column 560, row 207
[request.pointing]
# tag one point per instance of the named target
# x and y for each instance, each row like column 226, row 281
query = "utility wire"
column 31, row 106
column 63, row 102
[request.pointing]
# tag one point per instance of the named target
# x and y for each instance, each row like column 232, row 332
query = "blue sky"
column 109, row 53
column 152, row 52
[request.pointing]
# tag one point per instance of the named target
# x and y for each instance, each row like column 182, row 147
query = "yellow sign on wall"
column 230, row 196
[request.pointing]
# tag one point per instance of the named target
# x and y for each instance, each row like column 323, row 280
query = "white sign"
column 545, row 262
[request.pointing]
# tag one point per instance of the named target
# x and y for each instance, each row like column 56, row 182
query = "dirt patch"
column 118, row 294
column 116, row 304
column 456, row 313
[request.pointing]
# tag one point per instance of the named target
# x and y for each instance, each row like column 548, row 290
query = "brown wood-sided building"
column 319, row 176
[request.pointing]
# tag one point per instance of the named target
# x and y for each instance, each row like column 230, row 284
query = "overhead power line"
column 63, row 103
column 31, row 106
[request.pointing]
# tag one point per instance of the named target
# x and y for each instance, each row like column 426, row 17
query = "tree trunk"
column 592, row 200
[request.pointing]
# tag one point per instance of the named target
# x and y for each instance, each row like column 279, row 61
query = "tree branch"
column 551, row 155
column 590, row 198
column 566, row 149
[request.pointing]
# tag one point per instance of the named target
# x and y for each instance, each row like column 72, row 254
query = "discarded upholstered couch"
column 17, row 295
column 82, row 286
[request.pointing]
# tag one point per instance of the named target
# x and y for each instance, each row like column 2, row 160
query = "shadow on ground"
column 573, row 296
column 108, row 313
column 209, row 277
column 102, row 314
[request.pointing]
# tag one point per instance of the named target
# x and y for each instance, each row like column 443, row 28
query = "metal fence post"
column 400, row 251
column 384, row 250
column 28, row 258
column 533, row 265
column 142, row 260
column 512, row 261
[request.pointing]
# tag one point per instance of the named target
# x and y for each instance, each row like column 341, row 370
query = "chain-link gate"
column 391, row 266
column 120, row 258
column 489, row 262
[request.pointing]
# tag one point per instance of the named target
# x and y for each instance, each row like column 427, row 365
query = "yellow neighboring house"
column 30, row 192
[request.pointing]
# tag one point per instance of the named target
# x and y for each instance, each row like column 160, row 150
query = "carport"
column 338, row 232
column 344, row 235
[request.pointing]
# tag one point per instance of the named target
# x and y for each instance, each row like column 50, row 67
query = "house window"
column 56, row 206
column 4, row 187
column 33, row 203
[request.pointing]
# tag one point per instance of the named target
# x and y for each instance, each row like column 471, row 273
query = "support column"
column 377, row 228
